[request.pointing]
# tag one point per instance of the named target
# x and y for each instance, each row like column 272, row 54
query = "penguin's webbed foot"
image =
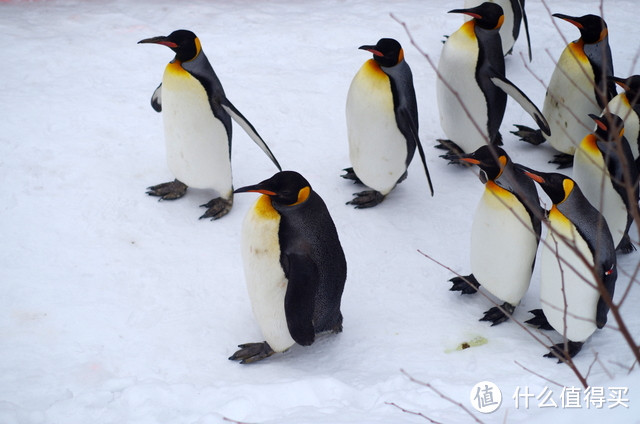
column 563, row 160
column 498, row 315
column 366, row 199
column 465, row 285
column 168, row 191
column 539, row 320
column 351, row 175
column 217, row 208
column 529, row 135
column 558, row 351
column 453, row 152
column 252, row 352
column 625, row 246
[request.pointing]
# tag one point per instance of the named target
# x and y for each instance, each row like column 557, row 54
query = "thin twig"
column 538, row 375
column 419, row 414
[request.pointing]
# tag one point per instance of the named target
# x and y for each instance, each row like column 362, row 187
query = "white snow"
column 116, row 308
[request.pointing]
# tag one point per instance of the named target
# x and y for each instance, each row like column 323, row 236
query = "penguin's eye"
column 483, row 176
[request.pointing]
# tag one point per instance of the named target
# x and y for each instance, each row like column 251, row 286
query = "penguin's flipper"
column 498, row 314
column 299, row 300
column 168, row 191
column 217, row 208
column 522, row 99
column 609, row 281
column 563, row 160
column 156, row 99
column 529, row 135
column 539, row 320
column 466, row 285
column 351, row 175
column 252, row 352
column 253, row 133
column 558, row 351
column 407, row 125
column 366, row 199
column 526, row 26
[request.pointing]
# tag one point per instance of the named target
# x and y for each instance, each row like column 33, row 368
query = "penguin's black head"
column 631, row 86
column 184, row 43
column 490, row 159
column 387, row 52
column 486, row 16
column 557, row 186
column 609, row 127
column 592, row 27
column 286, row 188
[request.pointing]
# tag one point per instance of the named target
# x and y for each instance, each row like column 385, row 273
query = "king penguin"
column 382, row 123
column 197, row 125
column 627, row 106
column 604, row 167
column 505, row 232
column 577, row 265
column 471, row 87
column 581, row 84
column 294, row 266
column 514, row 17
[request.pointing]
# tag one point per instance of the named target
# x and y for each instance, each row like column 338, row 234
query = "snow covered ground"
column 116, row 308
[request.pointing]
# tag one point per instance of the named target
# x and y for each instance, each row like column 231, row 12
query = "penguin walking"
column 505, row 233
column 382, row 123
column 580, row 85
column 197, row 125
column 627, row 106
column 472, row 88
column 294, row 266
column 514, row 17
column 577, row 263
column 604, row 168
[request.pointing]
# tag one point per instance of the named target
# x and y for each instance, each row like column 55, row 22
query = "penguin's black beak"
column 469, row 158
column 159, row 40
column 622, row 82
column 530, row 173
column 571, row 19
column 257, row 188
column 372, row 49
column 470, row 12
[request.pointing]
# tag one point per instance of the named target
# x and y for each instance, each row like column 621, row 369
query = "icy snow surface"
column 116, row 308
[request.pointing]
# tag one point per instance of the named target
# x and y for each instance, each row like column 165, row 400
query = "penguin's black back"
column 307, row 230
column 490, row 63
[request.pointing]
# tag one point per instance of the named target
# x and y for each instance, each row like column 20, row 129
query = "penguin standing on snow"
column 294, row 266
column 382, row 123
column 627, row 106
column 604, row 168
column 197, row 125
column 514, row 16
column 471, row 87
column 580, row 85
column 505, row 233
column 570, row 289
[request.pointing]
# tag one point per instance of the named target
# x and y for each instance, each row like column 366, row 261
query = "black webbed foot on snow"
column 563, row 160
column 558, row 351
column 498, row 315
column 217, row 208
column 539, row 320
column 351, row 175
column 529, row 135
column 465, row 285
column 168, row 191
column 625, row 246
column 366, row 199
column 252, row 352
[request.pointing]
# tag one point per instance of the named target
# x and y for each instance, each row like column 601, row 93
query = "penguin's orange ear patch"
column 303, row 195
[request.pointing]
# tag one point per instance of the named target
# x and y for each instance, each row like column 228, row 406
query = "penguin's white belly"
column 581, row 297
column 457, row 66
column 196, row 141
column 593, row 178
column 266, row 282
column 377, row 148
column 619, row 105
column 502, row 246
column 569, row 100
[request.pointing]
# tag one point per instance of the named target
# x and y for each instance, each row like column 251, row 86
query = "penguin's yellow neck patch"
column 577, row 48
column 175, row 69
column 557, row 217
column 496, row 189
column 373, row 70
column 264, row 208
column 589, row 145
column 468, row 29
column 303, row 195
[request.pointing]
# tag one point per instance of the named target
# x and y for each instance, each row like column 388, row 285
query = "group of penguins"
column 294, row 265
